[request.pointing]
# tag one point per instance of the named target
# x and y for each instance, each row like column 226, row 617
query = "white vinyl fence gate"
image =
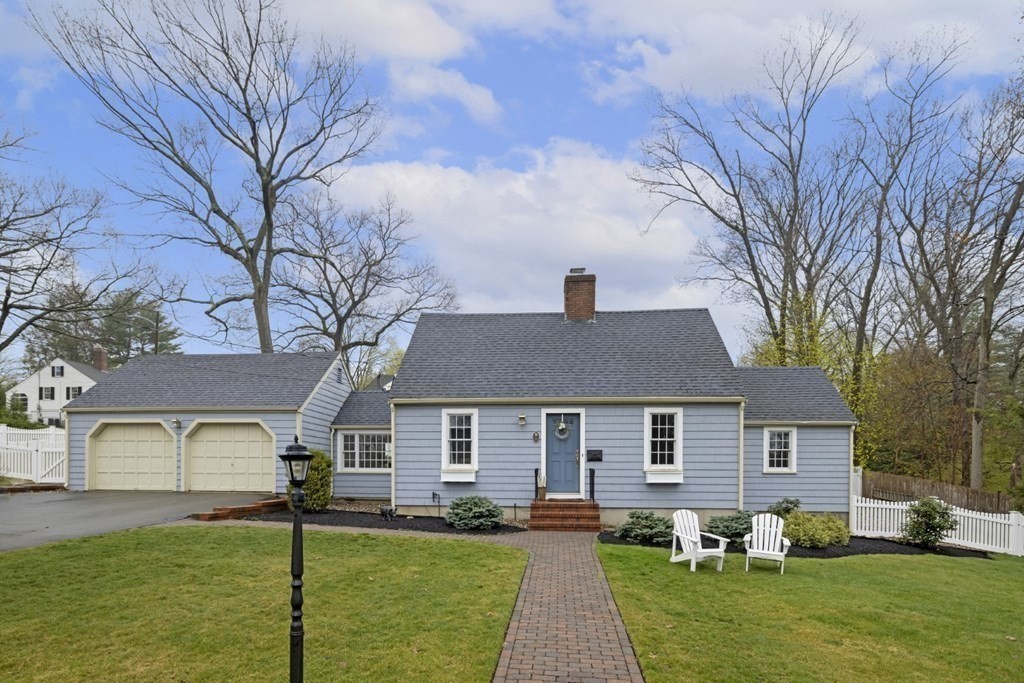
column 987, row 531
column 35, row 454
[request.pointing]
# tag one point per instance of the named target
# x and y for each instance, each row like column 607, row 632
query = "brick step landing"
column 565, row 515
column 237, row 511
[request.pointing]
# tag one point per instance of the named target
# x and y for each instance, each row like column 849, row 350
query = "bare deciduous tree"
column 783, row 205
column 46, row 226
column 235, row 116
column 353, row 280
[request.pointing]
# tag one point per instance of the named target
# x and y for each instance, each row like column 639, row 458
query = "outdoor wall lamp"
column 296, row 461
column 176, row 423
column 522, row 419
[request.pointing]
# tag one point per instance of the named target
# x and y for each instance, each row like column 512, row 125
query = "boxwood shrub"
column 733, row 527
column 815, row 531
column 474, row 512
column 929, row 520
column 319, row 483
column 784, row 507
column 643, row 526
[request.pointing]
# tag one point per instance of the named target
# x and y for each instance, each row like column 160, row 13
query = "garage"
column 230, row 456
column 133, row 457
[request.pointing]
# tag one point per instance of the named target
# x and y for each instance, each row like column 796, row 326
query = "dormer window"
column 56, row 371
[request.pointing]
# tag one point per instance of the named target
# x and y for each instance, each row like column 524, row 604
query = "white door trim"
column 544, row 412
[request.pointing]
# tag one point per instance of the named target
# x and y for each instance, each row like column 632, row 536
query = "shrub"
column 815, row 531
column 929, row 520
column 784, row 507
column 733, row 527
column 473, row 512
column 643, row 526
column 319, row 483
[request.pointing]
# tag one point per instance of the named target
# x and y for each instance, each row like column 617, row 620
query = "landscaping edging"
column 367, row 520
column 858, row 546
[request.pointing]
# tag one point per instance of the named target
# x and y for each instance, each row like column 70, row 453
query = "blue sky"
column 513, row 126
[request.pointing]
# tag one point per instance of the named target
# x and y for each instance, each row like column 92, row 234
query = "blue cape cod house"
column 601, row 411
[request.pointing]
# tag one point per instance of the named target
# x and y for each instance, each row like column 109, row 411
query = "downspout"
column 852, row 509
column 739, row 478
column 67, row 449
column 394, row 462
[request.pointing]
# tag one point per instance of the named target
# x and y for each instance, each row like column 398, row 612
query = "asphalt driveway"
column 29, row 519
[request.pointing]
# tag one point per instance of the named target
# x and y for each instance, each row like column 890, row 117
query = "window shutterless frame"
column 663, row 445
column 460, row 458
column 780, row 449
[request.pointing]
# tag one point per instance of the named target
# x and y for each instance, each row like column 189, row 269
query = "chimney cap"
column 577, row 271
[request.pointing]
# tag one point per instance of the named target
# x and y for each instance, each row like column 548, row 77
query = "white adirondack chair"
column 766, row 542
column 686, row 533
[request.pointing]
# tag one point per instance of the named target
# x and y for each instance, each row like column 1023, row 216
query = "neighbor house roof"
column 665, row 353
column 370, row 408
column 90, row 371
column 209, row 381
column 798, row 394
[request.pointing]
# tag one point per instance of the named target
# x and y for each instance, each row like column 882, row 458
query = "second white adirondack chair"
column 686, row 533
column 766, row 542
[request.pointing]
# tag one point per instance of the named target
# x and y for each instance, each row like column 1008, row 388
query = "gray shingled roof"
column 209, row 381
column 670, row 353
column 368, row 408
column 798, row 394
column 89, row 371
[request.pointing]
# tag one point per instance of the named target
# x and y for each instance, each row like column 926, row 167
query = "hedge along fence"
column 987, row 531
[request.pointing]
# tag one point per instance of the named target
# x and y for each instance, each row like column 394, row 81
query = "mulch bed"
column 858, row 546
column 368, row 520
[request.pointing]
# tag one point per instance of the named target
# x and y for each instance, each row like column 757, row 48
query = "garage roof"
column 278, row 380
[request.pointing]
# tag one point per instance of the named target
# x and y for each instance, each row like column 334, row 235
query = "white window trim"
column 340, row 449
column 460, row 473
column 792, row 450
column 663, row 474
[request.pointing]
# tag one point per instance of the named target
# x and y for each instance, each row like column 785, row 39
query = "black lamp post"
column 296, row 461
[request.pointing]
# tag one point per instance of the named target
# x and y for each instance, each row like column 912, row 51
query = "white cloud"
column 395, row 30
column 419, row 83
column 30, row 81
column 507, row 237
column 716, row 48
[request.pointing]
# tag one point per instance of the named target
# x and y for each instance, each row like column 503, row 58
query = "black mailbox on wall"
column 595, row 455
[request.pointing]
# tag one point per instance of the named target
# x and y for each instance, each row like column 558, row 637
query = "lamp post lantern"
column 296, row 461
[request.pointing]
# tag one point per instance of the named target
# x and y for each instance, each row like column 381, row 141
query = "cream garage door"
column 134, row 457
column 229, row 456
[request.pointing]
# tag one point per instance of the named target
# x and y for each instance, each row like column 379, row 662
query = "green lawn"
column 871, row 617
column 212, row 604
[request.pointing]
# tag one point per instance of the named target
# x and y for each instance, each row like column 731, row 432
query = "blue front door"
column 563, row 452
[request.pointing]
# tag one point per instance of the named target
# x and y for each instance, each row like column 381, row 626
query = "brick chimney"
column 99, row 358
column 580, row 291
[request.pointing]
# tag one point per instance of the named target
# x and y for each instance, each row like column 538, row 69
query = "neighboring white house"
column 44, row 393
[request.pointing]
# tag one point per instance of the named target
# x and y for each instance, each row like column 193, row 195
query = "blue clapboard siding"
column 822, row 481
column 319, row 413
column 283, row 425
column 358, row 484
column 508, row 456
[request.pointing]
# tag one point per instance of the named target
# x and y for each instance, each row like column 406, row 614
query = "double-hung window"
column 459, row 456
column 72, row 392
column 780, row 450
column 365, row 452
column 663, row 445
column 46, row 393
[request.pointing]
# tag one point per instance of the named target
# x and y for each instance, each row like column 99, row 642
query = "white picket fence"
column 986, row 531
column 35, row 454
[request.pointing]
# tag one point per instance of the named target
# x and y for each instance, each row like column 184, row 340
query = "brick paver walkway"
column 565, row 625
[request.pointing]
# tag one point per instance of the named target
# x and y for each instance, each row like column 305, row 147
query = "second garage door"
column 231, row 457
